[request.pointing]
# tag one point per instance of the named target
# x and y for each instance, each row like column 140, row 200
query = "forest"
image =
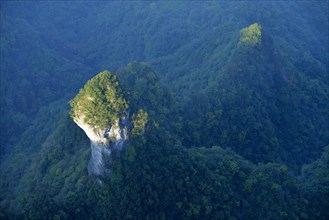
column 193, row 110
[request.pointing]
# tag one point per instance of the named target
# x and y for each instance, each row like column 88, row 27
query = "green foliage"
column 139, row 121
column 252, row 35
column 100, row 102
column 144, row 90
column 200, row 183
column 316, row 185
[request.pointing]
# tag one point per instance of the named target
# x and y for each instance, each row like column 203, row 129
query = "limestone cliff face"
column 104, row 142
column 100, row 109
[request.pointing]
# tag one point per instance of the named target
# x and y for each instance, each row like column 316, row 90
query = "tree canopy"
column 251, row 36
column 100, row 102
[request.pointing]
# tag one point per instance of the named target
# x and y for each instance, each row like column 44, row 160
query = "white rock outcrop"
column 103, row 143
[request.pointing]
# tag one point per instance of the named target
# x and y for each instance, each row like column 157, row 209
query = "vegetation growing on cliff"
column 100, row 102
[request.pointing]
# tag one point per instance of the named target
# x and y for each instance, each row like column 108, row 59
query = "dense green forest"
column 228, row 103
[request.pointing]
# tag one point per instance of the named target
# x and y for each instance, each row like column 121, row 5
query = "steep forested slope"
column 265, row 104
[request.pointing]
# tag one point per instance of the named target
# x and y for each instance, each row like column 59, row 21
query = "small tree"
column 251, row 36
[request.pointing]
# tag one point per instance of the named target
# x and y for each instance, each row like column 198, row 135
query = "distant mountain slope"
column 262, row 106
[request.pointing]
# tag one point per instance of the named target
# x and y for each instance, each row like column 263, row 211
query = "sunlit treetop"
column 100, row 102
column 251, row 36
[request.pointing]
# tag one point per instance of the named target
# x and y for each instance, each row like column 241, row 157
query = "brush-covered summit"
column 100, row 102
